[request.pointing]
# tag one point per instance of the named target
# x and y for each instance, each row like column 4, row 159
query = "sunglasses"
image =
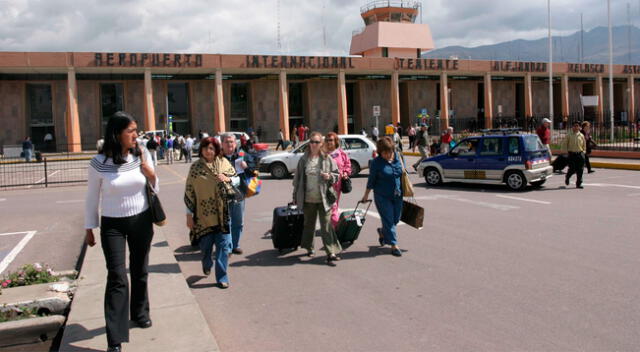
column 315, row 142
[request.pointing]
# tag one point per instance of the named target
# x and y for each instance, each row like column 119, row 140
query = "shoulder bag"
column 405, row 182
column 157, row 212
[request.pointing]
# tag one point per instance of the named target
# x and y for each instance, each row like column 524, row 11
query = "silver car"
column 359, row 148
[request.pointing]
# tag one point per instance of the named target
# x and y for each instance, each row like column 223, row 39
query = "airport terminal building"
column 72, row 94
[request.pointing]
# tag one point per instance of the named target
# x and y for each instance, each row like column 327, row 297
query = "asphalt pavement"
column 545, row 269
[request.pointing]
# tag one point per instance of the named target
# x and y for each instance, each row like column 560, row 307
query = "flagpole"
column 611, row 112
column 550, row 67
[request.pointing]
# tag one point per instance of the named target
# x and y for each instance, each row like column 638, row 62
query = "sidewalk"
column 178, row 323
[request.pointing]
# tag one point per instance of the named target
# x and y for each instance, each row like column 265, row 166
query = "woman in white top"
column 116, row 185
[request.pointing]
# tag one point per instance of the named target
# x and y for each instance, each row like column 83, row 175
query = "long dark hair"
column 112, row 147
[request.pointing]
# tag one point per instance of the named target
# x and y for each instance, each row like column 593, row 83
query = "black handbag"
column 158, row 216
column 157, row 213
column 345, row 185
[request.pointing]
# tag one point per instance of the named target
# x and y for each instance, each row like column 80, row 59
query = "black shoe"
column 579, row 186
column 206, row 272
column 311, row 253
column 380, row 237
column 591, row 171
column 223, row 285
column 396, row 252
column 236, row 250
column 332, row 259
column 566, row 181
column 144, row 324
column 115, row 348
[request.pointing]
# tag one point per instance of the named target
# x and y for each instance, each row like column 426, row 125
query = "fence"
column 625, row 134
column 50, row 169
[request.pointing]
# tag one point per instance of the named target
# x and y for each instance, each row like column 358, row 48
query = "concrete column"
column 600, row 107
column 564, row 88
column 283, row 103
column 219, row 124
column 444, row 100
column 631, row 91
column 528, row 97
column 72, row 118
column 488, row 101
column 149, row 110
column 343, row 122
column 395, row 98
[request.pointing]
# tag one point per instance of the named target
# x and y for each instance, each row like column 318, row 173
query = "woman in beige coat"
column 312, row 189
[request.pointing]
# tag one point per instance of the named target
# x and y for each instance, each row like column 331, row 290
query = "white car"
column 359, row 148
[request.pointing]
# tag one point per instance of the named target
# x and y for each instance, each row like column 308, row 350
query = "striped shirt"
column 115, row 190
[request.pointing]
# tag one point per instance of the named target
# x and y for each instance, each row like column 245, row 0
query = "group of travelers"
column 169, row 148
column 215, row 191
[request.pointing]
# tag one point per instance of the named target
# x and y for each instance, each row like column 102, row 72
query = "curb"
column 31, row 330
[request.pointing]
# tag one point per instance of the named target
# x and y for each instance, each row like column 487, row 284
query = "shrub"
column 29, row 274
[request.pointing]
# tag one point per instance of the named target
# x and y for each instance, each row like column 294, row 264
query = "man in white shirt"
column 188, row 146
column 374, row 133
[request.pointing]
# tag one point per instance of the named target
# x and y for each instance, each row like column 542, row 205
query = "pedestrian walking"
column 170, row 151
column 422, row 142
column 162, row 147
column 374, row 133
column 445, row 140
column 208, row 208
column 332, row 148
column 236, row 158
column 384, row 179
column 412, row 137
column 313, row 190
column 27, row 149
column 544, row 133
column 280, row 140
column 576, row 146
column 116, row 202
column 180, row 147
column 188, row 146
column 586, row 132
column 152, row 146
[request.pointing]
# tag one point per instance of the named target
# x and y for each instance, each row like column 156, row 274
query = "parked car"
column 497, row 157
column 359, row 148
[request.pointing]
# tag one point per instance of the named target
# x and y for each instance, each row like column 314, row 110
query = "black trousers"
column 587, row 162
column 576, row 166
column 115, row 234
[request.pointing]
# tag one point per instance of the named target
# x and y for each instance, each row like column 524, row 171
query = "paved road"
column 548, row 269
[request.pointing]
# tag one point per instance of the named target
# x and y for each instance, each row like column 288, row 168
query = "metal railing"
column 390, row 3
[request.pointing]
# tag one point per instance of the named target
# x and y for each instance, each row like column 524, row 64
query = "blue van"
column 495, row 157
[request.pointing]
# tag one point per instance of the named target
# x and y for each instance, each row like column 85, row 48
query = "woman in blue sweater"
column 384, row 179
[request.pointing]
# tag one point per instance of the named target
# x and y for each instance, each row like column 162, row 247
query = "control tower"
column 391, row 30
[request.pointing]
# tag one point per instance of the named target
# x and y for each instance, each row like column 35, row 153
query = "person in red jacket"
column 544, row 132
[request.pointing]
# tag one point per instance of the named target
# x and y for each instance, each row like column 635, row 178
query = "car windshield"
column 532, row 143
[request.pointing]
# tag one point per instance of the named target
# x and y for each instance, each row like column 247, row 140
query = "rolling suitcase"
column 350, row 223
column 560, row 163
column 286, row 230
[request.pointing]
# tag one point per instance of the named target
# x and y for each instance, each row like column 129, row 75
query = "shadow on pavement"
column 477, row 187
column 165, row 268
column 161, row 244
column 77, row 332
column 193, row 280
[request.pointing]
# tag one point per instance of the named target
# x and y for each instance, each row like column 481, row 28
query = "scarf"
column 203, row 196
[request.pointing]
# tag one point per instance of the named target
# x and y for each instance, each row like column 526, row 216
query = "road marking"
column 634, row 195
column 524, row 199
column 611, row 185
column 14, row 252
column 3, row 199
column 51, row 174
column 497, row 206
column 70, row 201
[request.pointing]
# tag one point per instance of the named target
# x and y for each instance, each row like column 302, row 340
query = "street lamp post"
column 611, row 112
column 550, row 67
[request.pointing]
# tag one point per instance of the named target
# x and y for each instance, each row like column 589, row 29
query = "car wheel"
column 538, row 184
column 432, row 176
column 515, row 181
column 355, row 168
column 278, row 170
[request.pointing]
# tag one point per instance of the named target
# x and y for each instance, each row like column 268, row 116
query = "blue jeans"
column 28, row 154
column 390, row 209
column 236, row 212
column 223, row 248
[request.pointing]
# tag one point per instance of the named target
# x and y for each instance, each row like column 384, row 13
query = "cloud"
column 250, row 26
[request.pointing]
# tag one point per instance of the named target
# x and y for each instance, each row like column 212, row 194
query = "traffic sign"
column 376, row 110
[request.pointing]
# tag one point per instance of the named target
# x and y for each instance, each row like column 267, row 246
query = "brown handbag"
column 412, row 214
column 405, row 182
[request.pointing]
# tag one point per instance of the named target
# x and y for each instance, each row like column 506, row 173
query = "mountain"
column 565, row 48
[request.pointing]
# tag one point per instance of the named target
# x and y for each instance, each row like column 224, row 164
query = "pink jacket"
column 344, row 165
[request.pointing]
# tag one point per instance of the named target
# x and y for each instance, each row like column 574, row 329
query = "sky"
column 307, row 27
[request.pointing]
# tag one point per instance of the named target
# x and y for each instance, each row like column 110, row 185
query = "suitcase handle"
column 368, row 206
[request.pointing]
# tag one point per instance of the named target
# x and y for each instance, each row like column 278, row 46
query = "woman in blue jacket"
column 384, row 179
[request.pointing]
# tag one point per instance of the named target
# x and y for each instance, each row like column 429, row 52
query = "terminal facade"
column 72, row 94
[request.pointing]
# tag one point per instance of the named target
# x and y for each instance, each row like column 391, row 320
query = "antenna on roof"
column 279, row 44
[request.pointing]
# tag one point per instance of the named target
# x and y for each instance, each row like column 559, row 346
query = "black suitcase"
column 560, row 163
column 286, row 230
